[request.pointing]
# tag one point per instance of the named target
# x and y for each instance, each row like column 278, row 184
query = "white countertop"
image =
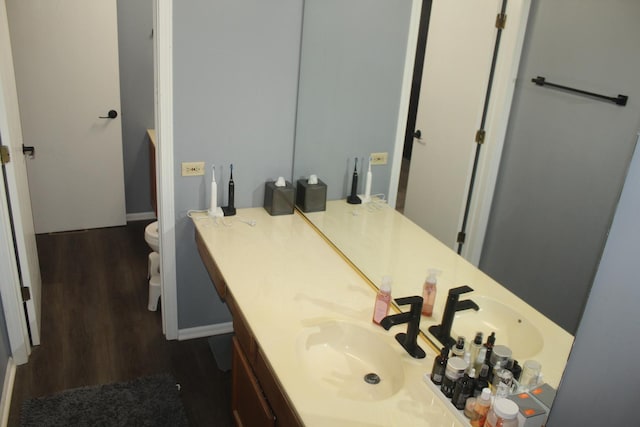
column 380, row 241
column 285, row 278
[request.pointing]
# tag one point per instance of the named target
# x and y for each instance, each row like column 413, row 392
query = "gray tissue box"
column 278, row 200
column 311, row 197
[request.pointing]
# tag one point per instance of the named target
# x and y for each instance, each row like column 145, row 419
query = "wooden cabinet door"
column 248, row 404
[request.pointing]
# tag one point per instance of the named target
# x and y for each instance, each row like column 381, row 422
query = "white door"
column 20, row 205
column 457, row 65
column 66, row 65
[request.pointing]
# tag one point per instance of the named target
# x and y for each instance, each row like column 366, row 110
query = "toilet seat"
column 151, row 236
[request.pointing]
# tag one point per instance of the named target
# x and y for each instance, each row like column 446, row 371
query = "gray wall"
column 135, row 45
column 351, row 71
column 565, row 156
column 601, row 385
column 235, row 84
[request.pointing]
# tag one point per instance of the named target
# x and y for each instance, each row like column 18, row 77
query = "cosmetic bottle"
column 474, row 348
column 458, row 349
column 491, row 340
column 383, row 300
column 503, row 413
column 481, row 408
column 463, row 390
column 455, row 370
column 429, row 290
column 482, row 381
column 502, row 381
column 515, row 368
column 480, row 359
column 439, row 366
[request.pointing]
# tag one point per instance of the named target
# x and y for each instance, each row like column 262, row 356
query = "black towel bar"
column 618, row 100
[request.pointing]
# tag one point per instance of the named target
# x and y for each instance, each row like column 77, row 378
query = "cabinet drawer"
column 285, row 415
column 248, row 404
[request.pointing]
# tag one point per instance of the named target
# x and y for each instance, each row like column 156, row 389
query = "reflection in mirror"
column 380, row 241
column 368, row 235
column 349, row 97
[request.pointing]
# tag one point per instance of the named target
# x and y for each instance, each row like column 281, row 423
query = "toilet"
column 153, row 274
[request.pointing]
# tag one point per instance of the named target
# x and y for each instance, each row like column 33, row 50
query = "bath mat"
column 149, row 401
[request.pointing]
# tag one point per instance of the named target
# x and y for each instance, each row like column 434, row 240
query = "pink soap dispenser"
column 383, row 300
column 429, row 292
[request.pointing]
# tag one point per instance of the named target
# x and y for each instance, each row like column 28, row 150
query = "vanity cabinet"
column 248, row 403
column 257, row 396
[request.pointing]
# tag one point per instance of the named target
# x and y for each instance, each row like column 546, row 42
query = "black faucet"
column 408, row 341
column 443, row 331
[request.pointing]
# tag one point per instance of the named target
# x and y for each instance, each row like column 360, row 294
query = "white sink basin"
column 337, row 356
column 516, row 332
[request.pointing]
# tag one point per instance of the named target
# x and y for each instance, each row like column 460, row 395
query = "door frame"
column 163, row 79
column 15, row 317
column 506, row 73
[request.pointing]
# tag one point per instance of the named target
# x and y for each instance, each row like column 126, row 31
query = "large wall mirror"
column 356, row 73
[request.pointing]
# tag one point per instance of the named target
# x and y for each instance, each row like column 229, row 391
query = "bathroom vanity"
column 304, row 339
column 297, row 305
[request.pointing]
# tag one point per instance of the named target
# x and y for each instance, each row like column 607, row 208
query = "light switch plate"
column 192, row 168
column 379, row 158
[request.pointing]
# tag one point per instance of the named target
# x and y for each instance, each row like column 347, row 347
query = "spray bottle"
column 383, row 301
column 429, row 292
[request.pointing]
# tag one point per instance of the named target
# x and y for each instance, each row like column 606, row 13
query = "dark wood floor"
column 96, row 328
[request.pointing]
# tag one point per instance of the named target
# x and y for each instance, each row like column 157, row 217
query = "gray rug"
column 149, row 401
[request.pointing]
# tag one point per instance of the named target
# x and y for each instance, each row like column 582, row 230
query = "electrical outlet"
column 192, row 168
column 379, row 158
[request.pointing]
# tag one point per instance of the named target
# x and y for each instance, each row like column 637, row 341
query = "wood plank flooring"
column 96, row 328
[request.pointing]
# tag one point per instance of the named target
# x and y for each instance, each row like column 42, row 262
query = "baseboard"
column 7, row 391
column 140, row 216
column 205, row 331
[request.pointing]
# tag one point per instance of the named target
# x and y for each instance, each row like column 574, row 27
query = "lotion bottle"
column 383, row 301
column 429, row 292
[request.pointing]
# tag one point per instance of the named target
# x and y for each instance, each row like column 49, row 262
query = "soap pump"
column 383, row 301
column 353, row 198
column 230, row 209
column 429, row 292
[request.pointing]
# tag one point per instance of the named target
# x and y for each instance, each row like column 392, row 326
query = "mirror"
column 353, row 100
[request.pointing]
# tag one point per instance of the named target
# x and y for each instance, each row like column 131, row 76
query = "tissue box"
column 545, row 394
column 311, row 197
column 278, row 200
column 532, row 413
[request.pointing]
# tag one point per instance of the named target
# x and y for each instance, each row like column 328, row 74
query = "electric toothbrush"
column 353, row 198
column 230, row 210
column 367, row 185
column 214, row 210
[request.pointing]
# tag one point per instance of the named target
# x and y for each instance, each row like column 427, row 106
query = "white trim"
column 7, row 392
column 497, row 121
column 205, row 331
column 405, row 98
column 16, row 321
column 141, row 216
column 163, row 44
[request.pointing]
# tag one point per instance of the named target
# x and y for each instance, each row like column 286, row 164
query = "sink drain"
column 372, row 378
